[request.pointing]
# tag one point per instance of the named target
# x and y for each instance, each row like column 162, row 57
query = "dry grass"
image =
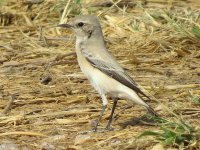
column 49, row 102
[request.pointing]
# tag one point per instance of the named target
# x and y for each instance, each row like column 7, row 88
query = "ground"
column 47, row 103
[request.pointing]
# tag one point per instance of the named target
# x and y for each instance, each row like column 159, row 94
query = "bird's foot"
column 97, row 131
column 109, row 129
column 104, row 130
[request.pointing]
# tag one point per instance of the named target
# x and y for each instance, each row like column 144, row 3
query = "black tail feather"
column 152, row 112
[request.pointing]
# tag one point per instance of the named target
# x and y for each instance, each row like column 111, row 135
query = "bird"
column 101, row 68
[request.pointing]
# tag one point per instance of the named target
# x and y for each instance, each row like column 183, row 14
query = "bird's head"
column 84, row 26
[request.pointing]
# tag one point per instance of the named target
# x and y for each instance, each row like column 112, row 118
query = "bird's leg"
column 101, row 114
column 111, row 115
column 105, row 102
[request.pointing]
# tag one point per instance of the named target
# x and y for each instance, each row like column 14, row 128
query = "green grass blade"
column 196, row 31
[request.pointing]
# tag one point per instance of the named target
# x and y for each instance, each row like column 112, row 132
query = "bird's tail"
column 152, row 112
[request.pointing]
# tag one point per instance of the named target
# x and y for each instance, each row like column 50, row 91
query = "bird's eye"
column 80, row 24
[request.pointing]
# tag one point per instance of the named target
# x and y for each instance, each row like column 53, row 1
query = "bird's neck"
column 92, row 41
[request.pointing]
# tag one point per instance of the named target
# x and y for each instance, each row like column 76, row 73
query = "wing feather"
column 114, row 72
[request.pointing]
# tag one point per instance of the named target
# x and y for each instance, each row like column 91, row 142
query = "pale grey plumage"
column 100, row 67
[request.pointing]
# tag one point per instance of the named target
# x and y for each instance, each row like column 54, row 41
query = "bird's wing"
column 114, row 71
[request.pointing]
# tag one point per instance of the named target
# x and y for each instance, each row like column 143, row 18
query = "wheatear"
column 99, row 66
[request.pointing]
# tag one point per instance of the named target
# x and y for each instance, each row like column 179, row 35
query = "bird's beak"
column 65, row 25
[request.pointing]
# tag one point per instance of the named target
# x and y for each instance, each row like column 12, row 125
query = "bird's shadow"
column 145, row 120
